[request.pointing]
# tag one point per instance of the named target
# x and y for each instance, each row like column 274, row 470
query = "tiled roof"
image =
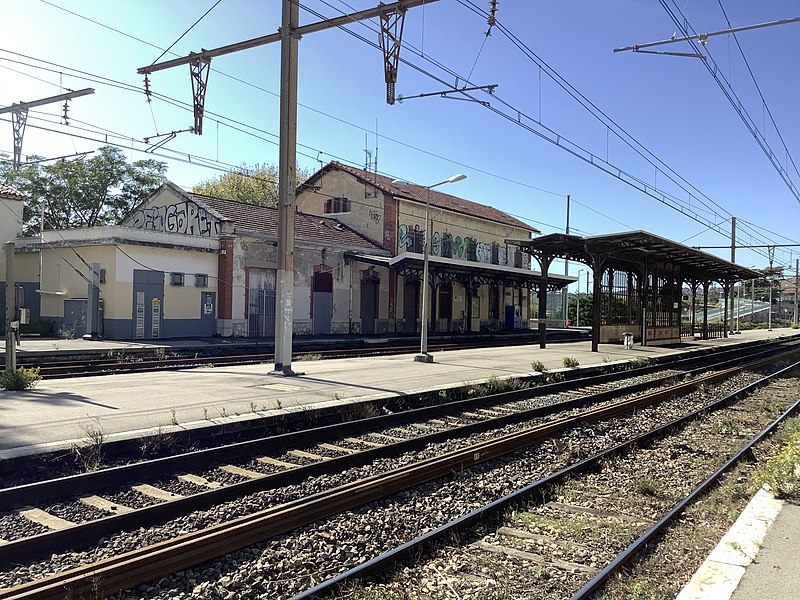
column 9, row 191
column 262, row 219
column 437, row 198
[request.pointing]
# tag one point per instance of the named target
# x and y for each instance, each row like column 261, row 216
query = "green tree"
column 253, row 185
column 83, row 192
column 586, row 309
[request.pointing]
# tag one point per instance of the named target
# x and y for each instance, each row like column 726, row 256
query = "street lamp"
column 578, row 300
column 423, row 355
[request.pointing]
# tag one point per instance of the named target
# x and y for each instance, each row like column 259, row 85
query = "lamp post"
column 578, row 300
column 423, row 355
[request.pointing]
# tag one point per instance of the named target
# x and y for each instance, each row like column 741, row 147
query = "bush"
column 638, row 362
column 21, row 379
column 782, row 472
column 537, row 365
column 571, row 361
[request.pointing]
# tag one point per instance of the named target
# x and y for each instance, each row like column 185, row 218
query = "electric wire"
column 546, row 191
column 716, row 73
column 758, row 88
column 172, row 45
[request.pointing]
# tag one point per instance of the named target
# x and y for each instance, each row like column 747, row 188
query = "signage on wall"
column 156, row 317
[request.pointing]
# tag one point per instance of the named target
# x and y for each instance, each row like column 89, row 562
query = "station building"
column 478, row 281
column 184, row 264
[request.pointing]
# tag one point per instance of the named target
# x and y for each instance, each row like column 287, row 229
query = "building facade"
column 478, row 281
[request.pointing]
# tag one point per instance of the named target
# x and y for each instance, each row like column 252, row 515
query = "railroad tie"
column 199, row 481
column 268, row 460
column 241, row 472
column 384, row 436
column 340, row 449
column 40, row 517
column 365, row 442
column 115, row 508
column 538, row 559
column 597, row 512
column 304, row 454
column 151, row 491
column 473, row 415
column 536, row 537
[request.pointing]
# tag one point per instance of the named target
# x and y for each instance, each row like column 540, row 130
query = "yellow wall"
column 366, row 213
column 58, row 275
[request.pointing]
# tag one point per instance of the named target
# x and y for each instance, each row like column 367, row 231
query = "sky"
column 523, row 148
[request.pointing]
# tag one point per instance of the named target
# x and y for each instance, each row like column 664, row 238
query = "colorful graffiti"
column 182, row 217
column 454, row 246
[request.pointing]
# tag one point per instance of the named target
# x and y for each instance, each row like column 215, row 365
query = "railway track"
column 475, row 416
column 119, row 362
column 578, row 527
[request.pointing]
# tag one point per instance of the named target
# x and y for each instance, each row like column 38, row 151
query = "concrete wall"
column 252, row 253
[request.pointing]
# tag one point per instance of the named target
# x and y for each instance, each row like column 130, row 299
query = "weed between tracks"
column 90, row 454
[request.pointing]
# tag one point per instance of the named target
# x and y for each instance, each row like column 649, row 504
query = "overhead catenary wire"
column 546, row 191
column 716, row 73
column 758, row 88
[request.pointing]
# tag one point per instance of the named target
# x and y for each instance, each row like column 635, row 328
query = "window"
column 419, row 241
column 102, row 275
column 447, row 245
column 337, row 205
column 176, row 278
column 201, row 280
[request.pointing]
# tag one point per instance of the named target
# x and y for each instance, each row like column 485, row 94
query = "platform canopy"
column 412, row 263
column 633, row 248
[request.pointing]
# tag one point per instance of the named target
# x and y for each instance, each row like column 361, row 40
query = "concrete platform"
column 59, row 412
column 756, row 560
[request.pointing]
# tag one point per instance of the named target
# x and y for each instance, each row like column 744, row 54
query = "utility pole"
column 796, row 285
column 565, row 300
column 391, row 16
column 19, row 117
column 11, row 310
column 733, row 260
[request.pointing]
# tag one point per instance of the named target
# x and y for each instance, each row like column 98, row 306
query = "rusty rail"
column 130, row 569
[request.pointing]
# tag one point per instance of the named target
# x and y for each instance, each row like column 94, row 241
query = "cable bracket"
column 391, row 39
column 199, row 68
column 19, row 117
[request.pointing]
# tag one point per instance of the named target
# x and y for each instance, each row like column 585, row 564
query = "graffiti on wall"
column 447, row 245
column 181, row 217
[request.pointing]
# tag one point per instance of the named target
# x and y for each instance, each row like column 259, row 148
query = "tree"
column 253, row 185
column 586, row 309
column 83, row 192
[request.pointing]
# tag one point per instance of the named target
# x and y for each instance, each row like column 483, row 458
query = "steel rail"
column 104, row 366
column 132, row 568
column 75, row 537
column 90, row 482
column 108, row 367
column 538, row 489
column 71, row 538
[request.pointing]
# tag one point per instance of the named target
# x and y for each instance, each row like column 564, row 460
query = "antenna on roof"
column 370, row 157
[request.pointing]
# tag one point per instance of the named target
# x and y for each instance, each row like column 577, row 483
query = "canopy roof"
column 411, row 263
column 621, row 251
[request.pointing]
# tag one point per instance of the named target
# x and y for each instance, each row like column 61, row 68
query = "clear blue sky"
column 671, row 105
